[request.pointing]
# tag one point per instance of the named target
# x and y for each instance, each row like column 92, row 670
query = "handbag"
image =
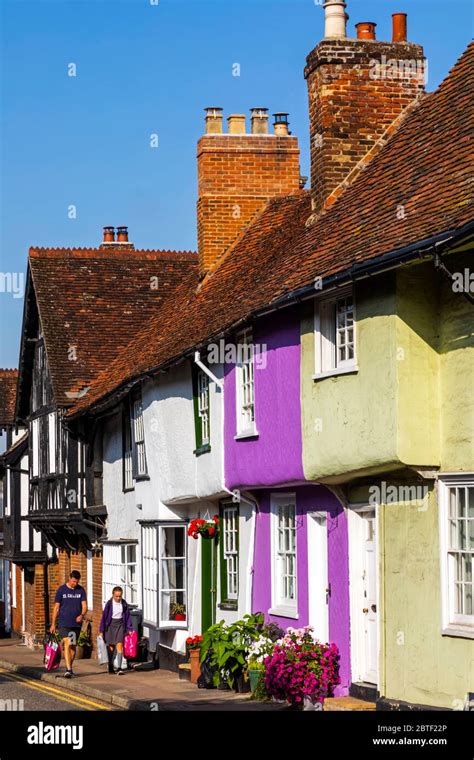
column 102, row 651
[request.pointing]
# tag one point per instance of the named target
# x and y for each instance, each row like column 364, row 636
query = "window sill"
column 286, row 612
column 458, row 630
column 228, row 606
column 173, row 626
column 128, row 490
column 204, row 449
column 335, row 372
column 137, row 478
column 252, row 433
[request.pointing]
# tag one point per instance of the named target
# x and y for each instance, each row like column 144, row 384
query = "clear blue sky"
column 144, row 69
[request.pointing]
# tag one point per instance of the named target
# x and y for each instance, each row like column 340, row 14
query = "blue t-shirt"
column 70, row 601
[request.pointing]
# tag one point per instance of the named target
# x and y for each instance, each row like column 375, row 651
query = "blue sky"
column 145, row 69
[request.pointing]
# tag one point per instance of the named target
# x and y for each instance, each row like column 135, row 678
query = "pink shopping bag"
column 130, row 645
column 52, row 654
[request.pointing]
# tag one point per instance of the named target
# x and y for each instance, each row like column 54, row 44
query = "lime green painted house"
column 388, row 409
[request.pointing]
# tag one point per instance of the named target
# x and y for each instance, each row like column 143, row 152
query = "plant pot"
column 194, row 657
column 180, row 616
column 241, row 684
column 223, row 685
column 254, row 678
column 83, row 652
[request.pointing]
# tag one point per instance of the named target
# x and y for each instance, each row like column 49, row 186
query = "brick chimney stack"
column 238, row 172
column 356, row 89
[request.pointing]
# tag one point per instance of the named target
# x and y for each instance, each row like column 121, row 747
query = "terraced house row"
column 306, row 376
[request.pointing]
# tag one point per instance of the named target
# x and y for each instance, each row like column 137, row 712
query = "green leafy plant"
column 177, row 609
column 229, row 645
column 84, row 639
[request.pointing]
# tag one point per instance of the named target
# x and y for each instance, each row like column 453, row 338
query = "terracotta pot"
column 194, row 656
column 83, row 652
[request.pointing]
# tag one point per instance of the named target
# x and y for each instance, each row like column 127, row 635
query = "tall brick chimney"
column 238, row 173
column 356, row 88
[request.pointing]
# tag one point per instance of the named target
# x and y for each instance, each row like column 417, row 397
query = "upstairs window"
column 138, row 438
column 335, row 346
column 127, row 448
column 201, row 410
column 245, row 385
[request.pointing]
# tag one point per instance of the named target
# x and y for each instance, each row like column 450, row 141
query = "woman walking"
column 115, row 623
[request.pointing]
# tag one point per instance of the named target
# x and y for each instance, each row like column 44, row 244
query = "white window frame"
column 13, row 583
column 116, row 573
column 284, row 607
column 2, row 580
column 203, row 406
column 245, row 387
column 35, row 428
column 452, row 623
column 52, row 442
column 230, row 549
column 165, row 623
column 326, row 335
column 149, row 554
column 127, row 452
column 138, row 429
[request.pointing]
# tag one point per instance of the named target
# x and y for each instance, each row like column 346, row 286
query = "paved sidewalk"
column 144, row 689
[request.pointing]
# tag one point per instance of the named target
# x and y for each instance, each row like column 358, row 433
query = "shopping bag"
column 52, row 653
column 102, row 651
column 130, row 645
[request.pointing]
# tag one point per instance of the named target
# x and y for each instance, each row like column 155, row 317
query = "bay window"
column 164, row 567
column 457, row 553
column 334, row 329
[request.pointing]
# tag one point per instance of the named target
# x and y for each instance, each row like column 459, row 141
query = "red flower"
column 212, row 531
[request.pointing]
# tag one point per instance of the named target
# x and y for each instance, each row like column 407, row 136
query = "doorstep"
column 333, row 704
column 143, row 688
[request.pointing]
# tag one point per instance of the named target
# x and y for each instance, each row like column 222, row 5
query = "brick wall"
column 237, row 174
column 352, row 101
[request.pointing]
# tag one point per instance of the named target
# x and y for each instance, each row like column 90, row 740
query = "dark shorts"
column 69, row 632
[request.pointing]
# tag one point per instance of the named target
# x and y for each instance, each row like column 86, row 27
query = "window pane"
column 461, row 492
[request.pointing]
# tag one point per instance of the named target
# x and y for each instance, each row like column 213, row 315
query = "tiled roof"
column 92, row 301
column 8, row 381
column 417, row 186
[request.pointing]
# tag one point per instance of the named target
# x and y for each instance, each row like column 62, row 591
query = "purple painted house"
column 300, row 573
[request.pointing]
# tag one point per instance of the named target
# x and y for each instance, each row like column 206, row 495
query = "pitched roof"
column 91, row 301
column 8, row 381
column 416, row 187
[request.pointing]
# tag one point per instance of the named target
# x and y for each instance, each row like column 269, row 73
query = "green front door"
column 208, row 582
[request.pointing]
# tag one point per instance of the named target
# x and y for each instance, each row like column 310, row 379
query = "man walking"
column 71, row 606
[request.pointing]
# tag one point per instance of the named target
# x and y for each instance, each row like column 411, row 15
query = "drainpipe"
column 207, row 371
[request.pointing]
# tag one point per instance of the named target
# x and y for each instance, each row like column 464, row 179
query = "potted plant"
column 204, row 528
column 193, row 645
column 259, row 649
column 178, row 611
column 301, row 669
column 228, row 645
column 84, row 645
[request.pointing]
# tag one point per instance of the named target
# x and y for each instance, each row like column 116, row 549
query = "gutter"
column 422, row 249
column 207, row 371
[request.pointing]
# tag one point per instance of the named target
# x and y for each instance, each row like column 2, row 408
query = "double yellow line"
column 73, row 699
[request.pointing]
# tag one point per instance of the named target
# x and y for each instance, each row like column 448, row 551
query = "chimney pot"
column 399, row 27
column 109, row 234
column 122, row 234
column 259, row 121
column 236, row 124
column 213, row 120
column 335, row 19
column 281, row 124
column 366, row 30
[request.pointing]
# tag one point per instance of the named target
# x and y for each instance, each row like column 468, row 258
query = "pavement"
column 142, row 689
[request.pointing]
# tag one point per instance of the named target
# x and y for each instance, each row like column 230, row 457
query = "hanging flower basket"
column 204, row 528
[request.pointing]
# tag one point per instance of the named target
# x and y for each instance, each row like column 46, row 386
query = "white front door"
column 363, row 594
column 369, row 609
column 318, row 574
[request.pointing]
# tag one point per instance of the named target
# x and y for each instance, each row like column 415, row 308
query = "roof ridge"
column 9, row 370
column 132, row 252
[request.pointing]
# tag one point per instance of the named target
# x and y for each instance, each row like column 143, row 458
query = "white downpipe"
column 207, row 371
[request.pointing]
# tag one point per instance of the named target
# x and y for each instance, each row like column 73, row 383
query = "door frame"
column 318, row 572
column 357, row 635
